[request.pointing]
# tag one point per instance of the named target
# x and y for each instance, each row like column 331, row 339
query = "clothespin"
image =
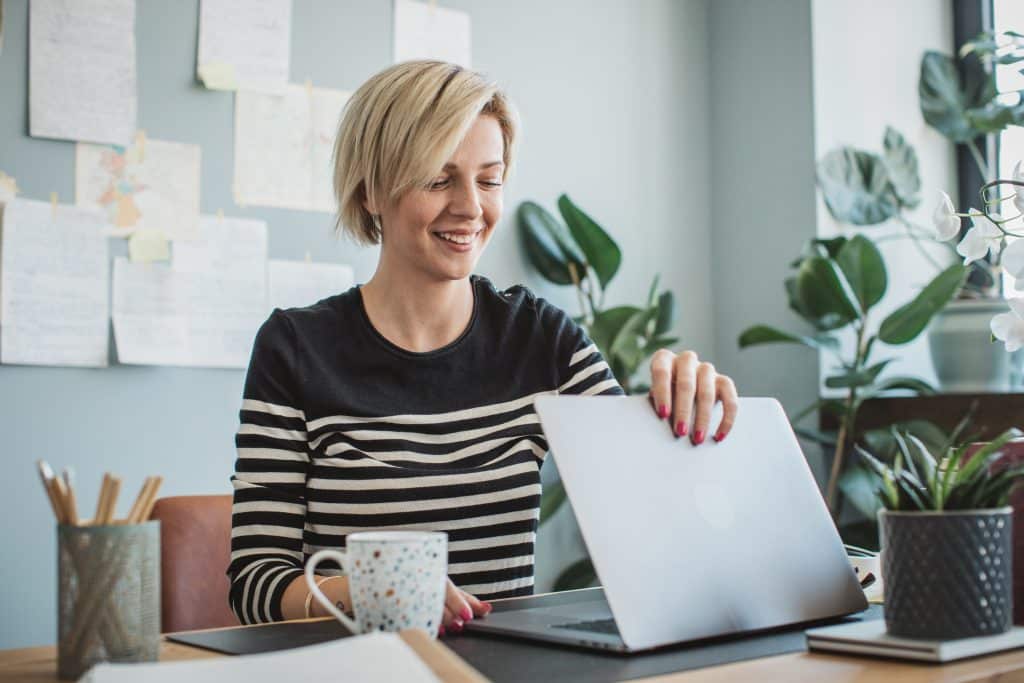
column 309, row 88
column 140, row 144
column 53, row 204
column 309, row 257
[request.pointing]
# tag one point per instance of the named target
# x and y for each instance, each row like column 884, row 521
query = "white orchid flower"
column 983, row 237
column 945, row 220
column 1013, row 262
column 1009, row 327
column 1018, row 175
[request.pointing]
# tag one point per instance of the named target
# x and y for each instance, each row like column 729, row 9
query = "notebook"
column 870, row 638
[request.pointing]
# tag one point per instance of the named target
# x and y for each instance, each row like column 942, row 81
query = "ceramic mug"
column 396, row 580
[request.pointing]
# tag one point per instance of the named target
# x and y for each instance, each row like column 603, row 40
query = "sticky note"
column 147, row 245
column 218, row 76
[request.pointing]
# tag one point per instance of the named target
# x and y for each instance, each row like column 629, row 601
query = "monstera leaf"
column 857, row 187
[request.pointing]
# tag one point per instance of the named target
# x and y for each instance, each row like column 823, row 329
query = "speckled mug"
column 396, row 580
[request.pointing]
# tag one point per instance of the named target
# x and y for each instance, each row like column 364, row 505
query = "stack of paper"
column 370, row 658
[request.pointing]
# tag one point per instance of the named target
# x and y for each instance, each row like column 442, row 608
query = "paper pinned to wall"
column 53, row 285
column 244, row 44
column 426, row 31
column 224, row 245
column 82, row 82
column 149, row 184
column 292, row 284
column 283, row 147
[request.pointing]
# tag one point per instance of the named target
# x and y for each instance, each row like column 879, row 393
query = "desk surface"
column 39, row 664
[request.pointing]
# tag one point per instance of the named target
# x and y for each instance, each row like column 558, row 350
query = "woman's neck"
column 417, row 314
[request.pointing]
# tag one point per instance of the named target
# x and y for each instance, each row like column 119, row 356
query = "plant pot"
column 965, row 359
column 947, row 574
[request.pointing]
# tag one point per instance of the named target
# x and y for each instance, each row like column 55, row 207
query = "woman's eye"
column 491, row 183
column 438, row 183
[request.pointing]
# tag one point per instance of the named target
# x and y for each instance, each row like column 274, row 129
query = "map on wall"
column 148, row 185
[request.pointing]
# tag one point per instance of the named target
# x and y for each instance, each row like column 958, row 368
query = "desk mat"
column 511, row 660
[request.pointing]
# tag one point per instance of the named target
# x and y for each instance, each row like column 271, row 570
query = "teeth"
column 458, row 239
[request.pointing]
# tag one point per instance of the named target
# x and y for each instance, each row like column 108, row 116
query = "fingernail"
column 662, row 412
column 698, row 437
column 488, row 606
column 466, row 614
column 680, row 428
column 456, row 625
column 719, row 436
column 440, row 631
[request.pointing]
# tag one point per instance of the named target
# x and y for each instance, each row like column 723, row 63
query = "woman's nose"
column 465, row 202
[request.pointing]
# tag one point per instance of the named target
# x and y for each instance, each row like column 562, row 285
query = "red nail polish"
column 440, row 631
column 456, row 626
column 698, row 437
column 680, row 428
column 719, row 436
column 466, row 614
column 663, row 412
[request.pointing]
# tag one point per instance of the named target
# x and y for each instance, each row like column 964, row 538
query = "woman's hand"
column 683, row 387
column 460, row 607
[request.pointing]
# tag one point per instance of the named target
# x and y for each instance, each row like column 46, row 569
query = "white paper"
column 246, row 42
column 53, row 285
column 426, row 31
column 149, row 184
column 294, row 284
column 371, row 658
column 202, row 311
column 283, row 147
column 82, row 70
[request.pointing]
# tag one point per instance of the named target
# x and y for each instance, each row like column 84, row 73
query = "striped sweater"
column 342, row 431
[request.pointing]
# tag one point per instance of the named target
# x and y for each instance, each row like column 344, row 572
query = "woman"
column 408, row 401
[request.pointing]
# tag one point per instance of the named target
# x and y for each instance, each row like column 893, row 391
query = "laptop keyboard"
column 596, row 626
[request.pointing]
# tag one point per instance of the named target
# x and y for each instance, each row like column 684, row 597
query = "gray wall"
column 763, row 196
column 614, row 107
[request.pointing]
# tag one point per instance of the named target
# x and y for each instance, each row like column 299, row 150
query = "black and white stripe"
column 303, row 482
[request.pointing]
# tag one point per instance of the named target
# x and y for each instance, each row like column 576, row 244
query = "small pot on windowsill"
column 947, row 574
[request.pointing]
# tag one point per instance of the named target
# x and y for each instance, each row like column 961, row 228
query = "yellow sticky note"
column 147, row 245
column 218, row 76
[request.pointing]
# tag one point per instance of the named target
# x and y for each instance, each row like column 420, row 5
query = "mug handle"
column 314, row 560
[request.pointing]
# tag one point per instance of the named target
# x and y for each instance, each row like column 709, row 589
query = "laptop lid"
column 698, row 541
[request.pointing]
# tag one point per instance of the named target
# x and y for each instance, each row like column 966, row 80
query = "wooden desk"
column 39, row 665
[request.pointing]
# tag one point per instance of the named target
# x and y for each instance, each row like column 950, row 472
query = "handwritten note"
column 53, row 285
column 82, row 83
column 283, row 147
column 293, row 284
column 426, row 31
column 244, row 44
column 149, row 184
column 201, row 310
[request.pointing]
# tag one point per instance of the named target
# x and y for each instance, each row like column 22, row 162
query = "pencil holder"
column 108, row 595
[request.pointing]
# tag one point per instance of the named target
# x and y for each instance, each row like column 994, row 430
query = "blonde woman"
column 407, row 402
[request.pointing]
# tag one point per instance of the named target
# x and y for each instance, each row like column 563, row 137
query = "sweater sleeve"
column 581, row 367
column 269, row 508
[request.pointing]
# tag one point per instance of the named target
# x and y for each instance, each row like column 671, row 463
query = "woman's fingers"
column 479, row 607
column 661, row 381
column 448, row 619
column 726, row 391
column 684, row 387
column 456, row 603
column 705, row 401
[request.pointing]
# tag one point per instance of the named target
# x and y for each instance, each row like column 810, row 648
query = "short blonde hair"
column 399, row 129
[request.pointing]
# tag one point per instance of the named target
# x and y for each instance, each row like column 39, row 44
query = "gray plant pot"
column 947, row 574
column 965, row 360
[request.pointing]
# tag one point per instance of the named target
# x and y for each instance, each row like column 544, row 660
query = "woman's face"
column 441, row 230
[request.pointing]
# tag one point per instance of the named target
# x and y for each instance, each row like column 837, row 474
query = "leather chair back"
column 195, row 545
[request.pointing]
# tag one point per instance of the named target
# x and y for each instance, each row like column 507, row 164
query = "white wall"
column 867, row 57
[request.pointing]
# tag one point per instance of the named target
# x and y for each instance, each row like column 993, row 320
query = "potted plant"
column 837, row 283
column 946, row 538
column 579, row 252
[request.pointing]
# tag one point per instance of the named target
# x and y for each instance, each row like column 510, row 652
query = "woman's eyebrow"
column 450, row 165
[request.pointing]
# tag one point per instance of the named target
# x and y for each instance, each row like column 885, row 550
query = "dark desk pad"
column 504, row 659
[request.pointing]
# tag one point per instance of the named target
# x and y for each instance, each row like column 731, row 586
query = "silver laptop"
column 689, row 542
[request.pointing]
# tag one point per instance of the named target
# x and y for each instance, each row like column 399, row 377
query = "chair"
column 195, row 544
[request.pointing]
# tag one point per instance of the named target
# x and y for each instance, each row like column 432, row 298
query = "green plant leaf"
column 764, row 334
column 653, row 290
column 551, row 500
column 547, row 244
column 996, row 116
column 901, row 162
column 601, row 251
column 627, row 344
column 856, row 379
column 864, row 268
column 823, row 438
column 945, row 100
column 663, row 342
column 906, row 322
column 860, row 488
column 822, row 290
column 606, row 326
column 856, row 187
column 666, row 312
column 580, row 574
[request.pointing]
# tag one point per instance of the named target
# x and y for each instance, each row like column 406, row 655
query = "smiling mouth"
column 457, row 238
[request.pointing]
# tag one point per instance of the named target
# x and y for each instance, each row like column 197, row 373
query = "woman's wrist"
column 335, row 589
